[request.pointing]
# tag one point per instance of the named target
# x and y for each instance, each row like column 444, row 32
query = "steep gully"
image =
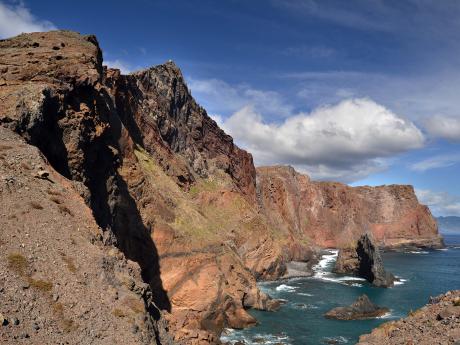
column 173, row 192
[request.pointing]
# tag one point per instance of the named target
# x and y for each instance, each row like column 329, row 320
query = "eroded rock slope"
column 438, row 322
column 167, row 188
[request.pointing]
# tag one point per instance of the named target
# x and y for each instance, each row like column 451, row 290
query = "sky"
column 365, row 92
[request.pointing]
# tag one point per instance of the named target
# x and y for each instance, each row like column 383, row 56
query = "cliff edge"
column 165, row 191
column 332, row 214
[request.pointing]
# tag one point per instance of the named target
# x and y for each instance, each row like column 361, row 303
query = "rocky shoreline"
column 438, row 322
column 166, row 212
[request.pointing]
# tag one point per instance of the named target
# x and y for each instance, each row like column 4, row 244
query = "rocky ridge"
column 171, row 192
column 436, row 323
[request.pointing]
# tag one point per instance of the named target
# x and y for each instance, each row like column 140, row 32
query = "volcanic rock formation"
column 362, row 308
column 436, row 323
column 165, row 191
column 331, row 214
column 364, row 260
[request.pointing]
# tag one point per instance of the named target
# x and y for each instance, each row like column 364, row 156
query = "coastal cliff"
column 167, row 193
column 332, row 214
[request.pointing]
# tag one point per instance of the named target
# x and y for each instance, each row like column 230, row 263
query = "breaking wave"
column 231, row 336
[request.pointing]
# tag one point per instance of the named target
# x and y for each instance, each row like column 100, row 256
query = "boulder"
column 364, row 260
column 362, row 308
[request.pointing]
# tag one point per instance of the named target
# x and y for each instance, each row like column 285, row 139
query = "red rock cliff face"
column 167, row 186
column 171, row 190
column 331, row 214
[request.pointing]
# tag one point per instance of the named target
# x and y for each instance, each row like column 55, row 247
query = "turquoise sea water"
column 300, row 321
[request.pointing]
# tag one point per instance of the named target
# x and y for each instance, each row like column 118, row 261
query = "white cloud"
column 345, row 141
column 440, row 203
column 218, row 96
column 16, row 19
column 447, row 127
column 440, row 161
column 123, row 66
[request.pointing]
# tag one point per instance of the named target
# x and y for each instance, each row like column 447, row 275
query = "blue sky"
column 364, row 92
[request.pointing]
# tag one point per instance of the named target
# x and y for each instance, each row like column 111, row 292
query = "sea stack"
column 364, row 260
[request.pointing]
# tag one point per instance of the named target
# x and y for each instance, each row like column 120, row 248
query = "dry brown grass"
column 65, row 210
column 118, row 313
column 58, row 309
column 41, row 285
column 69, row 325
column 5, row 147
column 53, row 192
column 457, row 302
column 36, row 205
column 18, row 263
column 70, row 264
column 56, row 200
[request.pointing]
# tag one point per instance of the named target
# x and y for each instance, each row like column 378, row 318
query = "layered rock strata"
column 331, row 214
column 154, row 169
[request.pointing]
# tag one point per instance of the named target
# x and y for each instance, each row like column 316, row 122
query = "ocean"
column 300, row 321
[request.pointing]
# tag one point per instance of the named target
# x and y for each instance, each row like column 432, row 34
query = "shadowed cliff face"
column 167, row 186
column 331, row 214
column 172, row 191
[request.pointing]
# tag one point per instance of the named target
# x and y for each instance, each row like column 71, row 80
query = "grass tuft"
column 70, row 265
column 5, row 147
column 457, row 302
column 56, row 200
column 18, row 263
column 36, row 205
column 69, row 325
column 119, row 313
column 41, row 285
column 64, row 209
column 53, row 192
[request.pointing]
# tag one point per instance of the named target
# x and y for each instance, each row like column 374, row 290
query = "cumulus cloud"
column 440, row 161
column 346, row 141
column 217, row 96
column 123, row 66
column 440, row 203
column 446, row 127
column 16, row 19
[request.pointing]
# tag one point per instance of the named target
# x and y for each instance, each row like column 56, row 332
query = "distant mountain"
column 449, row 223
